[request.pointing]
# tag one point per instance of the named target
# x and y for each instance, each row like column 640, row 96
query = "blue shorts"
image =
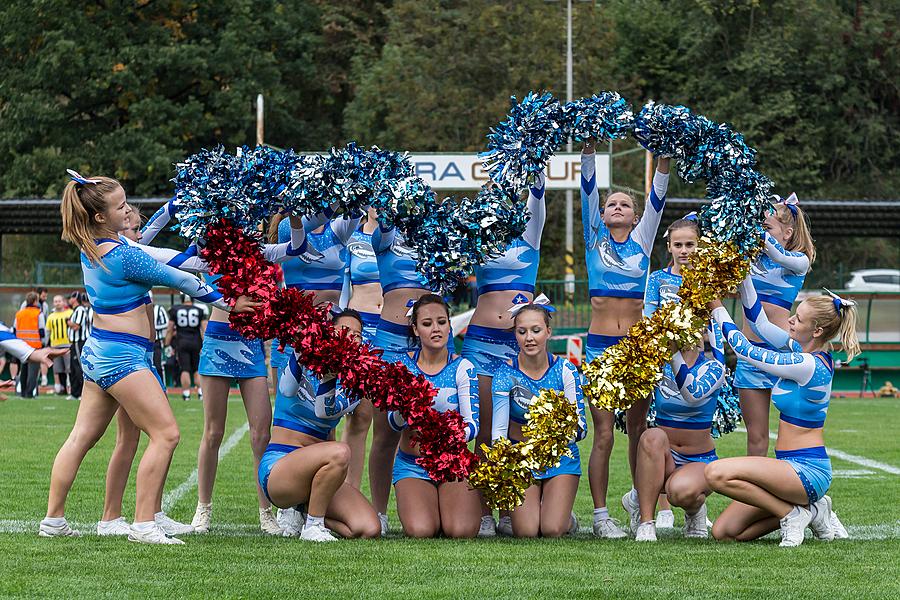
column 597, row 345
column 226, row 353
column 749, row 377
column 110, row 356
column 393, row 338
column 812, row 466
column 278, row 359
column 273, row 453
column 569, row 465
column 406, row 467
column 370, row 326
column 488, row 347
column 703, row 457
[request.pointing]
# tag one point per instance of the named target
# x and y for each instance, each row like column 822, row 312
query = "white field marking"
column 852, row 473
column 172, row 497
column 90, row 529
column 886, row 531
column 858, row 460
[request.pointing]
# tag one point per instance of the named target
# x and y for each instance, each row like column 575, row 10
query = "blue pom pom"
column 728, row 409
column 605, row 116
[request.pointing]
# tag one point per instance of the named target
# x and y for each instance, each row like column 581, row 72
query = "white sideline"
column 852, row 458
column 172, row 497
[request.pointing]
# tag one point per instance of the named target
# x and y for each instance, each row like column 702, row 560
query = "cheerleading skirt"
column 597, row 344
column 110, row 356
column 488, row 347
column 226, row 353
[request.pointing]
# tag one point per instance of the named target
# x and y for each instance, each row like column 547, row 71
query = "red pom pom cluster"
column 290, row 315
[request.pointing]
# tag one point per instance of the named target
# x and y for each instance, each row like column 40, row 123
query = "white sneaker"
column 633, row 508
column 317, row 533
column 172, row 527
column 115, row 527
column 48, row 530
column 573, row 524
column 186, row 396
column 646, row 532
column 793, row 525
column 821, row 523
column 268, row 523
column 840, row 532
column 665, row 519
column 609, row 529
column 155, row 535
column 695, row 524
column 383, row 519
column 43, row 381
column 202, row 516
column 504, row 526
column 488, row 526
column 291, row 521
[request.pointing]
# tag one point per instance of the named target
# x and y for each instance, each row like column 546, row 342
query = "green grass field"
column 236, row 560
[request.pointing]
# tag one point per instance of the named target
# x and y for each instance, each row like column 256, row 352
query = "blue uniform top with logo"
column 363, row 265
column 615, row 269
column 686, row 396
column 512, row 392
column 778, row 274
column 323, row 266
column 662, row 287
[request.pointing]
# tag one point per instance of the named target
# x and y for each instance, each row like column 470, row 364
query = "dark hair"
column 351, row 313
column 531, row 307
column 424, row 301
column 40, row 290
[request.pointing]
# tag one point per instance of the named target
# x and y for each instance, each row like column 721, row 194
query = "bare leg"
column 636, row 423
column 526, row 518
column 310, row 475
column 350, row 515
column 94, row 414
column 755, row 407
column 255, row 392
column 766, row 483
column 557, row 500
column 381, row 461
column 355, row 435
column 417, row 507
column 687, row 487
column 215, row 409
column 460, row 510
column 185, row 381
column 742, row 522
column 485, row 413
column 598, row 465
column 127, row 437
column 654, row 465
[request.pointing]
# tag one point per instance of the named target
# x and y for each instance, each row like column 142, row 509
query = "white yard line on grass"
column 172, row 497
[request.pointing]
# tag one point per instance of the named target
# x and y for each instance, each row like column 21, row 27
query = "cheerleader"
column 787, row 492
column 489, row 341
column 117, row 357
column 617, row 251
column 547, row 509
column 302, row 466
column 366, row 298
column 778, row 276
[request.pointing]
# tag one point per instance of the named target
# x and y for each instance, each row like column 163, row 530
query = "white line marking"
column 172, row 497
column 858, row 460
column 852, row 473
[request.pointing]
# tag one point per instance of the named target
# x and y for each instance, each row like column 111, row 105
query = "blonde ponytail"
column 836, row 322
column 80, row 203
column 801, row 238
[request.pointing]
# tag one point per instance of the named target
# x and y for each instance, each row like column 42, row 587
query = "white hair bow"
column 77, row 178
column 542, row 300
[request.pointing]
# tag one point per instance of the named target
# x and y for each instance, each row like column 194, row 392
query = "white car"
column 874, row 280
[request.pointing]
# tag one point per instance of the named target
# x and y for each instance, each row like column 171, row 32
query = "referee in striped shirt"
column 79, row 329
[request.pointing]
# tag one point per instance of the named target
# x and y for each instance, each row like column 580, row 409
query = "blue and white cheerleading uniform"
column 515, row 270
column 364, row 271
column 616, row 270
column 513, row 391
column 777, row 277
column 801, row 393
column 322, row 267
column 457, row 386
column 662, row 287
column 9, row 343
column 120, row 284
column 306, row 404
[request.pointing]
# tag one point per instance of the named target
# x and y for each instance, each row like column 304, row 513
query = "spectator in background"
column 30, row 328
column 79, row 328
column 58, row 332
column 161, row 324
column 45, row 310
column 186, row 324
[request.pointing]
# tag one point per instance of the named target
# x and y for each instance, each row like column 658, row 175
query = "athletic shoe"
column 268, row 523
column 186, row 395
column 290, row 520
column 646, row 532
column 154, row 535
column 43, row 381
column 488, row 527
column 573, row 524
column 665, row 519
column 115, row 527
column 63, row 530
column 840, row 532
column 383, row 519
column 695, row 524
column 202, row 516
column 504, row 526
column 633, row 509
column 200, row 394
column 71, row 397
column 172, row 527
column 317, row 533
column 820, row 524
column 792, row 526
column 609, row 529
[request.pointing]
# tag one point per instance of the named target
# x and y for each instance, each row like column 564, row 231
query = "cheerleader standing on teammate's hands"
column 617, row 252
column 427, row 508
column 117, row 365
column 547, row 509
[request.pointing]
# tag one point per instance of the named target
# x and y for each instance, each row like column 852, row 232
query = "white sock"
column 601, row 514
column 795, row 512
column 633, row 495
column 143, row 526
column 204, row 504
column 159, row 515
column 54, row 521
column 312, row 521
